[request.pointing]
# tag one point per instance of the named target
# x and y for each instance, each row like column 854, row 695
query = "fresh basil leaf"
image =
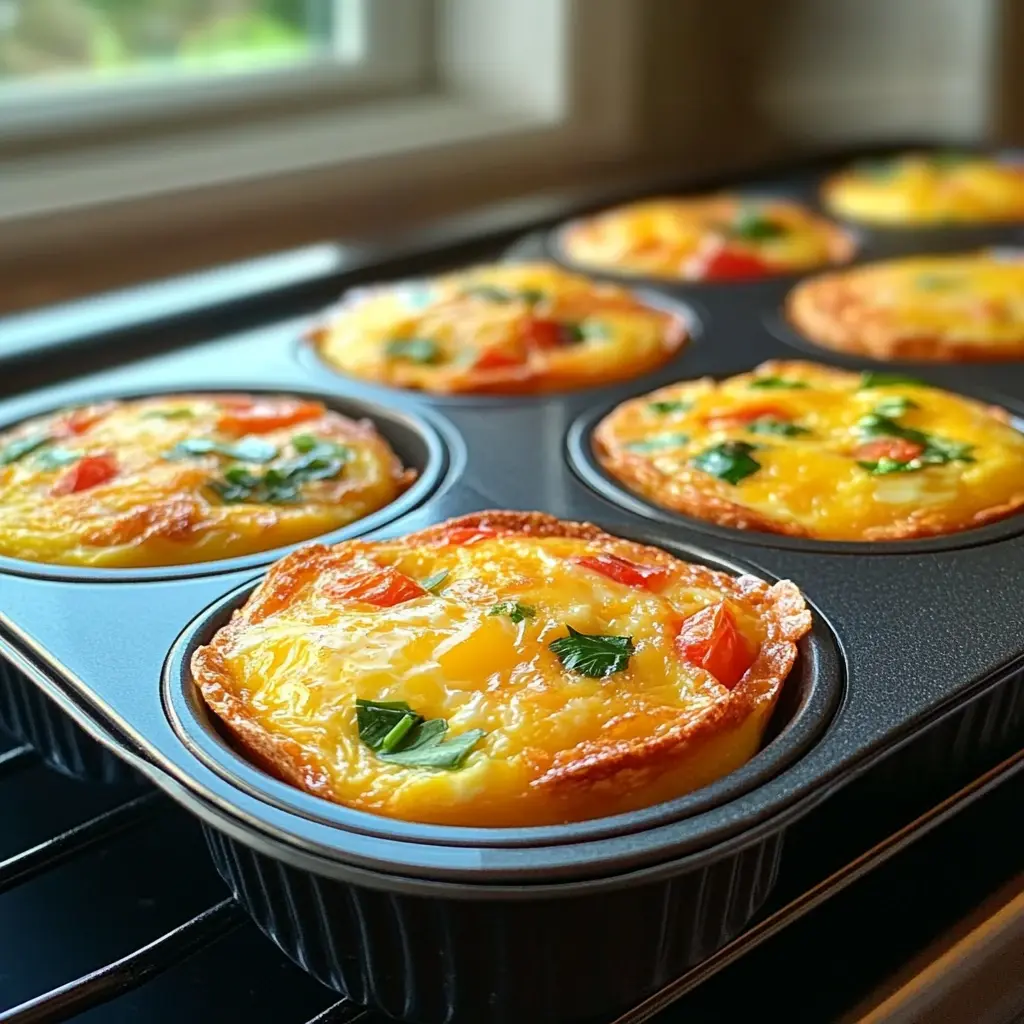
column 169, row 414
column 872, row 379
column 895, row 406
column 777, row 384
column 666, row 406
column 876, row 424
column 56, row 458
column 434, row 583
column 414, row 350
column 450, row 755
column 936, row 451
column 773, row 425
column 754, row 226
column 514, row 610
column 729, row 461
column 593, row 655
column 377, row 719
column 18, row 449
column 659, row 443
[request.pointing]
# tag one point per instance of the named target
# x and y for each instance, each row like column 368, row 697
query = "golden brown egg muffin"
column 961, row 308
column 502, row 669
column 186, row 478
column 506, row 329
column 806, row 450
column 710, row 238
column 928, row 189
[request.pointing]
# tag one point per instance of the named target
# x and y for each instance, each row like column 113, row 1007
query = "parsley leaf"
column 729, row 461
column 662, row 441
column 754, row 226
column 592, row 655
column 414, row 350
column 434, row 582
column 669, row 405
column 399, row 735
column 56, row 458
column 871, row 379
column 773, row 425
column 777, row 383
column 248, row 449
column 18, row 449
column 169, row 414
column 514, row 610
column 895, row 406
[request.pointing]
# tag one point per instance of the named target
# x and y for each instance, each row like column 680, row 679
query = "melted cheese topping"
column 974, row 299
column 557, row 745
column 97, row 488
column 812, row 483
column 683, row 238
column 923, row 189
column 503, row 328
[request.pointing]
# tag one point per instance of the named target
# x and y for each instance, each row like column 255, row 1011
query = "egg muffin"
column 710, row 238
column 928, row 189
column 502, row 669
column 506, row 328
column 186, row 478
column 961, row 308
column 809, row 451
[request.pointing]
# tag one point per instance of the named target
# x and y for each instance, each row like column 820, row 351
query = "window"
column 70, row 64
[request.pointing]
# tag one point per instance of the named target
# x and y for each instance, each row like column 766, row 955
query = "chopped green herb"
column 435, row 582
column 318, row 448
column 778, row 384
column 872, row 379
column 772, row 425
column 20, row 448
column 414, row 350
column 895, row 406
column 248, row 449
column 729, row 461
column 937, row 450
column 168, row 414
column 396, row 733
column 662, row 441
column 514, row 610
column 593, row 655
column 754, row 226
column 493, row 293
column 669, row 405
column 56, row 458
column 587, row 330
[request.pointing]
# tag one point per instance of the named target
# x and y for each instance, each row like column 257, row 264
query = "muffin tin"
column 915, row 669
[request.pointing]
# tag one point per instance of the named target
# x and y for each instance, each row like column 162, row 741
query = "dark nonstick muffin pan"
column 914, row 669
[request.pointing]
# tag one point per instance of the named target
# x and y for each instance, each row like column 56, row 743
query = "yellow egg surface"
column 960, row 308
column 180, row 479
column 508, row 328
column 720, row 237
column 928, row 189
column 435, row 677
column 806, row 450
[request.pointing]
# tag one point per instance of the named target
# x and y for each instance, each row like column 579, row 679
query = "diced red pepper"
column 711, row 640
column 725, row 264
column 896, row 448
column 541, row 333
column 632, row 574
column 463, row 536
column 89, row 472
column 498, row 359
column 79, row 421
column 384, row 587
column 735, row 417
column 260, row 417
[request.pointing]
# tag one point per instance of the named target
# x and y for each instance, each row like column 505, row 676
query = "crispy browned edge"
column 780, row 606
column 821, row 307
column 842, row 244
column 639, row 475
column 517, row 380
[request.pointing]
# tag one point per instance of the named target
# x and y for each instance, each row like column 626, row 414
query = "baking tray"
column 449, row 924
